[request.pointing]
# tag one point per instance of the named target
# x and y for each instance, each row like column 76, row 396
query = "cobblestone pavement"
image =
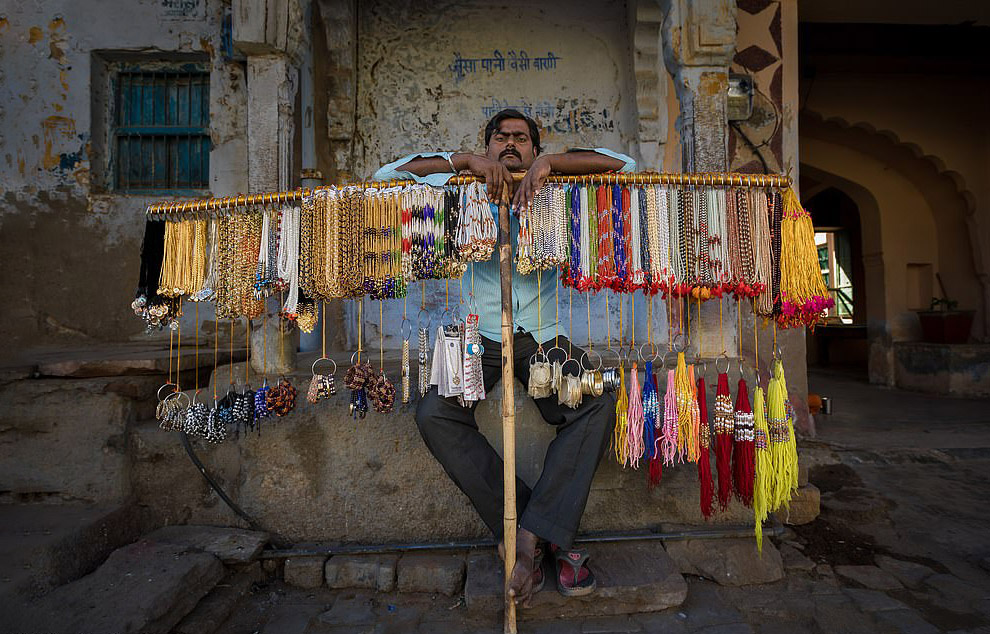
column 901, row 545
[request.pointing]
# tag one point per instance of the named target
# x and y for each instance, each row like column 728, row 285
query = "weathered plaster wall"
column 413, row 95
column 759, row 54
column 69, row 252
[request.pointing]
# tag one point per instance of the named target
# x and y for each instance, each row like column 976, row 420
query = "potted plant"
column 944, row 323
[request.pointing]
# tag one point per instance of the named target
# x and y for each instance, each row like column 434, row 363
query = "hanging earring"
column 356, row 379
column 196, row 418
column 406, row 324
column 321, row 386
column 243, row 411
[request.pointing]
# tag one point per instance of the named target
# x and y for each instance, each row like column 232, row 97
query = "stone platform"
column 936, row 368
column 82, row 431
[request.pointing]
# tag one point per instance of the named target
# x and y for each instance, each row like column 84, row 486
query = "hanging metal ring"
column 446, row 311
column 562, row 351
column 618, row 357
column 684, row 341
column 179, row 395
column 568, row 360
column 588, row 356
column 663, row 359
column 332, row 372
column 655, row 348
column 535, row 357
column 172, row 385
column 419, row 319
column 727, row 363
column 402, row 329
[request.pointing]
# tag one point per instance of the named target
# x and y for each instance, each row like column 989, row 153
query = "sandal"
column 570, row 563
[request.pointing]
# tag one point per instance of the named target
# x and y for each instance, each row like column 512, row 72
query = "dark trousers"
column 552, row 508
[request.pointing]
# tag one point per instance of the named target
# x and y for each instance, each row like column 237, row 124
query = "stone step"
column 216, row 607
column 146, row 587
column 43, row 546
column 232, row 546
column 633, row 577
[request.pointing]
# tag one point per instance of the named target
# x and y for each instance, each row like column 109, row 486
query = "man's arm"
column 496, row 176
column 573, row 163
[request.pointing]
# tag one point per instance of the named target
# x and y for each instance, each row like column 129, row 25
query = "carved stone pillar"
column 699, row 39
column 272, row 82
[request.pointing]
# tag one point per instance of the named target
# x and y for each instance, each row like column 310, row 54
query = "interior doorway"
column 841, row 342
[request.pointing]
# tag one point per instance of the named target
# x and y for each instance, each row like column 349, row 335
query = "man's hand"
column 535, row 177
column 496, row 175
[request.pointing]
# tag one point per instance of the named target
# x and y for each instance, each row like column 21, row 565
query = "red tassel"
column 723, row 440
column 656, row 471
column 743, row 451
column 704, row 462
column 656, row 460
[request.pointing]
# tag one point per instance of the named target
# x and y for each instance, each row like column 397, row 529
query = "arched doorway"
column 912, row 226
column 841, row 342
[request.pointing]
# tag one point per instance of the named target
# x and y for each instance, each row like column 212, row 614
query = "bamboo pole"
column 220, row 204
column 508, row 409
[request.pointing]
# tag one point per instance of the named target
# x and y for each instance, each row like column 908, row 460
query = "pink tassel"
column 634, row 421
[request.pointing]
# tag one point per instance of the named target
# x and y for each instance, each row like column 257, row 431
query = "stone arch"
column 904, row 201
column 871, row 227
column 952, row 203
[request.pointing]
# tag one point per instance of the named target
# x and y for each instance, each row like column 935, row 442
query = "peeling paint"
column 35, row 34
column 55, row 129
column 56, row 31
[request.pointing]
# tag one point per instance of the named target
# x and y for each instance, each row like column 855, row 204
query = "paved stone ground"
column 901, row 545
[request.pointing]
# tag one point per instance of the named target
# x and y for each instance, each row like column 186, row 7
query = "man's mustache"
column 512, row 152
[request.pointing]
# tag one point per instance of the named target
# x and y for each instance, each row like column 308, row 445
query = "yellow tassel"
column 621, row 434
column 790, row 457
column 763, row 487
column 694, row 435
column 800, row 271
column 783, row 448
column 682, row 386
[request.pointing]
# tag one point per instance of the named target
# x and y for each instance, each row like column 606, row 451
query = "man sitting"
column 551, row 510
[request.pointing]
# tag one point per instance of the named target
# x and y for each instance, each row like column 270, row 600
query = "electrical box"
column 740, row 97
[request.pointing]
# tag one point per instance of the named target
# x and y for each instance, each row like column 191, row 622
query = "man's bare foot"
column 521, row 580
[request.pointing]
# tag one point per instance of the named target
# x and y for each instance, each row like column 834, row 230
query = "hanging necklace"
column 405, row 330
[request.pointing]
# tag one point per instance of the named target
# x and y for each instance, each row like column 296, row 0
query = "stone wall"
column 68, row 247
column 319, row 475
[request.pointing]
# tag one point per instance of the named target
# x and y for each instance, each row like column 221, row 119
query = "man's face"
column 512, row 146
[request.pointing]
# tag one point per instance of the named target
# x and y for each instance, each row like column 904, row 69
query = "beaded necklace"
column 586, row 239
column 288, row 259
column 774, row 203
column 574, row 269
column 707, row 246
column 618, row 237
column 732, row 225
column 745, row 236
column 637, row 230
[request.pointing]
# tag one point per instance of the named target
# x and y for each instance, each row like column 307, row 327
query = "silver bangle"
column 451, row 162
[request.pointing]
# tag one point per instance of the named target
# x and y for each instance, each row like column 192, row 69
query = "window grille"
column 161, row 129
